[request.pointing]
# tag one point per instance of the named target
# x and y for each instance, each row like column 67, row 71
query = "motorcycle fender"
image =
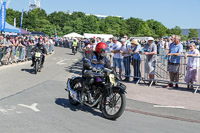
column 73, row 78
column 121, row 89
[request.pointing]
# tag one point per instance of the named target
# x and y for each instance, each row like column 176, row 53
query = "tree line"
column 64, row 23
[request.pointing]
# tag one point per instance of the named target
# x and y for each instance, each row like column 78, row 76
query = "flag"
column 21, row 19
column 3, row 16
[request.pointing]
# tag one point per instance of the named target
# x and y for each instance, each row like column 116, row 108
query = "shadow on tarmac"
column 76, row 68
column 31, row 71
column 65, row 103
column 69, row 53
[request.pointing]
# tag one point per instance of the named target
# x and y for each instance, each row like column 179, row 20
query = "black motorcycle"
column 38, row 61
column 99, row 89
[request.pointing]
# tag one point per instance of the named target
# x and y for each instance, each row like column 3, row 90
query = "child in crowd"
column 192, row 65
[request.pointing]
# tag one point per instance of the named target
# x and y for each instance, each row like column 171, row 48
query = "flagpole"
column 21, row 21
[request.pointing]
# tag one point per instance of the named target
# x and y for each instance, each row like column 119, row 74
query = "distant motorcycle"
column 38, row 61
column 99, row 88
column 74, row 49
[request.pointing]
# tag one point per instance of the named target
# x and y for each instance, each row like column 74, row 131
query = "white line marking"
column 3, row 111
column 61, row 62
column 33, row 107
column 175, row 107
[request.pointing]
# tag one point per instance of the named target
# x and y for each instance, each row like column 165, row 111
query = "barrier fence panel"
column 157, row 69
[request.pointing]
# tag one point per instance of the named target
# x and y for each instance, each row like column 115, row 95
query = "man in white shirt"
column 117, row 58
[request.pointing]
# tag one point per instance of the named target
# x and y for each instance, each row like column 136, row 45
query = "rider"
column 39, row 47
column 74, row 44
column 92, row 65
column 97, row 59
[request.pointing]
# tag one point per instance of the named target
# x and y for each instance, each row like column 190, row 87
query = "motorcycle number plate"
column 37, row 54
column 112, row 78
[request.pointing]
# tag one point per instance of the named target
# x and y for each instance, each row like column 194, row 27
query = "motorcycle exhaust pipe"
column 73, row 93
column 92, row 105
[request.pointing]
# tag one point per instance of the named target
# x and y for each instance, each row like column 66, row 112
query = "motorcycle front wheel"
column 113, row 105
column 36, row 67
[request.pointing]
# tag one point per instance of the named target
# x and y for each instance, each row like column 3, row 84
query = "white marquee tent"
column 105, row 36
column 73, row 35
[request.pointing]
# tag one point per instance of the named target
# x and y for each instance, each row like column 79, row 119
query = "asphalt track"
column 38, row 103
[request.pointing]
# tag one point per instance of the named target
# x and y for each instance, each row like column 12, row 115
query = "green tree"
column 157, row 28
column 138, row 27
column 193, row 33
column 176, row 30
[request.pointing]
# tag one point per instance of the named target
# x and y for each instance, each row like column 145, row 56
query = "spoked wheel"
column 75, row 85
column 113, row 105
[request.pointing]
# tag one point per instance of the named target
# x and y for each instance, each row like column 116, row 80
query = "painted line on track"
column 173, row 107
column 162, row 116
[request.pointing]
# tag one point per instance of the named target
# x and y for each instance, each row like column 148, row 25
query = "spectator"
column 125, row 51
column 172, row 41
column 93, row 44
column 192, row 65
column 150, row 50
column 136, row 60
column 109, row 48
column 51, row 45
column 127, row 41
column 166, row 44
column 2, row 45
column 198, row 44
column 117, row 58
column 14, row 50
column 8, row 45
column 187, row 45
column 98, row 40
column 87, row 49
column 21, row 50
column 174, row 60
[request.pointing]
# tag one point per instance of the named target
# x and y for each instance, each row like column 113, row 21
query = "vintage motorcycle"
column 74, row 49
column 38, row 61
column 98, row 88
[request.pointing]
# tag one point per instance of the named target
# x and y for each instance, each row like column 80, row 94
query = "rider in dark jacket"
column 39, row 47
column 97, row 59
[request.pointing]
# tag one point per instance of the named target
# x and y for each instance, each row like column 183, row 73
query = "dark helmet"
column 100, row 47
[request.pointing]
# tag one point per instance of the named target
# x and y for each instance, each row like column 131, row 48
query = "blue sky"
column 183, row 13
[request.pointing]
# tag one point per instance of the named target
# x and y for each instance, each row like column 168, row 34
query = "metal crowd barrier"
column 17, row 54
column 161, row 74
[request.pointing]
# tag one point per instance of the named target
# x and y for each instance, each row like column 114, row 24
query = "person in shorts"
column 117, row 57
column 174, row 61
column 150, row 50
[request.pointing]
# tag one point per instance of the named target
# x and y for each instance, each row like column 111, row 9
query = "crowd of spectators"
column 14, row 49
column 124, row 53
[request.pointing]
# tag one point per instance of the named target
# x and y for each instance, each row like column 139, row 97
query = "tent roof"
column 105, row 36
column 10, row 28
column 73, row 35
